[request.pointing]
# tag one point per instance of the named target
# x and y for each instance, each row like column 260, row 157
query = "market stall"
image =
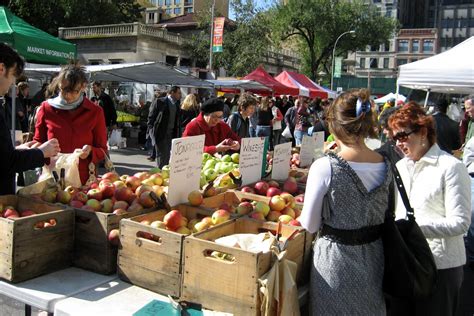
column 388, row 97
column 306, row 87
column 261, row 76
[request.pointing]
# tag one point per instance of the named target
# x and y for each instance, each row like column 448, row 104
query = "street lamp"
column 333, row 53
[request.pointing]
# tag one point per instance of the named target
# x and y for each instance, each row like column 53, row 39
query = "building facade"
column 456, row 23
column 179, row 7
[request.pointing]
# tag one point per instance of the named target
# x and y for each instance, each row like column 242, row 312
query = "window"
column 403, row 46
column 428, row 46
column 385, row 63
column 188, row 2
column 362, row 62
column 401, row 62
column 188, row 10
column 374, row 63
column 151, row 16
column 177, row 10
column 388, row 11
column 167, row 2
column 160, row 2
column 177, row 2
column 374, row 48
column 415, row 46
column 168, row 11
column 386, row 47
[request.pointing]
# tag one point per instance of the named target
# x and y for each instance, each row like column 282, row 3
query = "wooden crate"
column 232, row 286
column 92, row 249
column 27, row 252
column 154, row 265
column 231, row 197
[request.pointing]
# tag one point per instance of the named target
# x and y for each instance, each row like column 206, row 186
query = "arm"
column 152, row 114
column 99, row 142
column 279, row 116
column 112, row 110
column 320, row 177
column 41, row 130
column 457, row 204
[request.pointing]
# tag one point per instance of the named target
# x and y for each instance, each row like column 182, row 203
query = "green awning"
column 33, row 44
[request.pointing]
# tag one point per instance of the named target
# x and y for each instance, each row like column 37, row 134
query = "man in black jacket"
column 107, row 104
column 26, row 156
column 163, row 124
column 447, row 130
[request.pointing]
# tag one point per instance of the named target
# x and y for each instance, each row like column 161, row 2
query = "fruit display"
column 216, row 170
column 271, row 188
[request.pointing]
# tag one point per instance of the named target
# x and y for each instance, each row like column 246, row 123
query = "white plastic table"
column 45, row 291
column 116, row 298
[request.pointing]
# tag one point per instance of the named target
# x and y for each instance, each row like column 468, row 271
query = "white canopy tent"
column 389, row 96
column 145, row 72
column 238, row 84
column 450, row 72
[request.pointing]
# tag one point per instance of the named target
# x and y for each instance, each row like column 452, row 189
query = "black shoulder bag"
column 410, row 270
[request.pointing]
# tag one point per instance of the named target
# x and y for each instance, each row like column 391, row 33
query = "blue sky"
column 258, row 3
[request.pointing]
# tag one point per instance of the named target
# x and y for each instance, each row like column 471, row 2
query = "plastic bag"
column 115, row 137
column 287, row 133
column 70, row 163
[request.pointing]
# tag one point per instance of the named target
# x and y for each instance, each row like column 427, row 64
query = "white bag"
column 115, row 137
column 287, row 133
column 70, row 163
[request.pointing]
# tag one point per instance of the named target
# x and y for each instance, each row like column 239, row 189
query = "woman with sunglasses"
column 346, row 202
column 438, row 187
column 73, row 119
column 210, row 122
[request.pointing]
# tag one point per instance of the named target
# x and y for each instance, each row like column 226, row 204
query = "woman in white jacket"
column 438, row 186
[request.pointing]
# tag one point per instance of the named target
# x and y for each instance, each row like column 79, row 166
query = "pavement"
column 131, row 160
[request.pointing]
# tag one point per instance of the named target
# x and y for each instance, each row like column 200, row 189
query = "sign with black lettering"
column 250, row 164
column 281, row 161
column 185, row 168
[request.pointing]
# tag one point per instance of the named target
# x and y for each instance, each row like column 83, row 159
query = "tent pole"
column 427, row 96
column 397, row 91
column 13, row 114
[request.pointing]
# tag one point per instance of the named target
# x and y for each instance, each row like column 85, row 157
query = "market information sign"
column 185, row 168
column 281, row 161
column 337, row 67
column 318, row 144
column 250, row 164
column 218, row 36
column 307, row 148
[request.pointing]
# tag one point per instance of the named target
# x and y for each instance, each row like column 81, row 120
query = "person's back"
column 447, row 131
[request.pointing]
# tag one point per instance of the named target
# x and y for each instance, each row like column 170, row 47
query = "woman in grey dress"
column 345, row 201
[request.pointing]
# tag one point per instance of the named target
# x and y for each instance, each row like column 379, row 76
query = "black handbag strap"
column 401, row 189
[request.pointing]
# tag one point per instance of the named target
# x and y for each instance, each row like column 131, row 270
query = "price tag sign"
column 318, row 144
column 250, row 163
column 307, row 151
column 281, row 161
column 185, row 168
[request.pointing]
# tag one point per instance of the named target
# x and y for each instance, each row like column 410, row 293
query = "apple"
column 76, row 204
column 133, row 183
column 114, row 237
column 195, row 198
column 154, row 170
column 94, row 185
column 107, row 206
column 273, row 184
column 156, row 178
column 273, row 216
column 71, row 190
column 285, row 219
column 10, row 213
column 261, row 187
column 160, row 214
column 272, row 191
column 119, row 211
column 119, row 184
column 165, row 172
column 262, row 207
column 200, row 226
column 124, row 194
column 158, row 224
column 142, row 175
column 257, row 215
column 94, row 204
column 277, row 203
column 94, row 194
column 183, row 230
column 225, row 206
column 25, row 213
column 143, row 188
column 120, row 204
column 290, row 199
column 173, row 220
column 290, row 185
column 107, row 189
column 135, row 207
column 244, row 208
column 299, row 198
column 146, row 200
column 111, row 176
column 294, row 222
column 206, row 156
column 212, row 191
column 192, row 222
column 210, row 174
column 247, row 189
column 63, row 197
column 158, row 189
column 297, row 212
column 49, row 195
column 124, row 177
column 235, row 157
column 220, row 216
column 288, row 211
column 148, row 182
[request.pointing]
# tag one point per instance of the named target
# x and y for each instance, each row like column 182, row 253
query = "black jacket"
column 13, row 160
column 239, row 125
column 107, row 104
column 447, row 132
column 159, row 116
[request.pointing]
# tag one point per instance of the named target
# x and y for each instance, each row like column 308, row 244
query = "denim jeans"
column 470, row 232
column 265, row 131
column 252, row 131
column 299, row 136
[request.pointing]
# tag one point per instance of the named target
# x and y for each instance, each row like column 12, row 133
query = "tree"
column 318, row 23
column 49, row 15
column 246, row 40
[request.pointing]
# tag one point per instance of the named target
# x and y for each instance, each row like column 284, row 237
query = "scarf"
column 61, row 104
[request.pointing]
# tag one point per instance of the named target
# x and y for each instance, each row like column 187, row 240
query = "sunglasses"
column 402, row 136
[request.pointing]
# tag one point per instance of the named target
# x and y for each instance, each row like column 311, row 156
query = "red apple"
column 114, row 237
column 261, row 187
column 142, row 175
column 143, row 188
column 288, row 211
column 146, row 200
column 111, row 176
column 172, row 220
column 156, row 178
column 299, row 198
column 195, row 198
column 220, row 216
column 81, row 197
column 290, row 199
column 294, row 222
column 119, row 184
column 290, row 185
column 94, row 204
column 76, row 204
column 247, row 189
column 273, row 184
column 272, row 191
column 244, row 208
column 133, row 183
column 135, row 207
column 273, row 216
column 277, row 203
column 124, row 194
column 107, row 189
column 257, row 215
column 94, row 194
column 120, row 204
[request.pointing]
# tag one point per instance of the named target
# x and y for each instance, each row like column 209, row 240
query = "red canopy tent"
column 305, row 86
column 261, row 76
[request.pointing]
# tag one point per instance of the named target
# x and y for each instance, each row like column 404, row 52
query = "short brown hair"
column 22, row 85
column 414, row 117
column 246, row 100
column 343, row 122
column 74, row 73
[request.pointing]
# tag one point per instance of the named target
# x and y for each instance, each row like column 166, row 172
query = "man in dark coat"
column 163, row 124
column 26, row 156
column 447, row 130
column 107, row 104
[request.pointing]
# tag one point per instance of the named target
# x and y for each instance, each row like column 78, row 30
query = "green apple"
column 165, row 172
column 205, row 157
column 235, row 157
column 210, row 174
column 154, row 170
column 209, row 164
column 226, row 158
column 202, row 180
column 228, row 166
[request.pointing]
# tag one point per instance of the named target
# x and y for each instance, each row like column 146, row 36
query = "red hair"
column 413, row 116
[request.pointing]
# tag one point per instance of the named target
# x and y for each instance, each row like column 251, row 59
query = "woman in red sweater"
column 219, row 136
column 73, row 119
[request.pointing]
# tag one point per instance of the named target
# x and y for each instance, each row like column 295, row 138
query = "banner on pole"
column 337, row 67
column 218, row 36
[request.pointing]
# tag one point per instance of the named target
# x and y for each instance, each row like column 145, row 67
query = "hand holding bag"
column 410, row 269
column 287, row 133
column 70, row 163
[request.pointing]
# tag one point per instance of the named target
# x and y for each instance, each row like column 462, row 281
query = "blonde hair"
column 264, row 104
column 190, row 103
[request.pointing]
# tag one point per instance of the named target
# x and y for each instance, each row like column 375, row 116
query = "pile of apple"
column 301, row 177
column 112, row 193
column 272, row 188
column 10, row 212
column 213, row 166
column 295, row 160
